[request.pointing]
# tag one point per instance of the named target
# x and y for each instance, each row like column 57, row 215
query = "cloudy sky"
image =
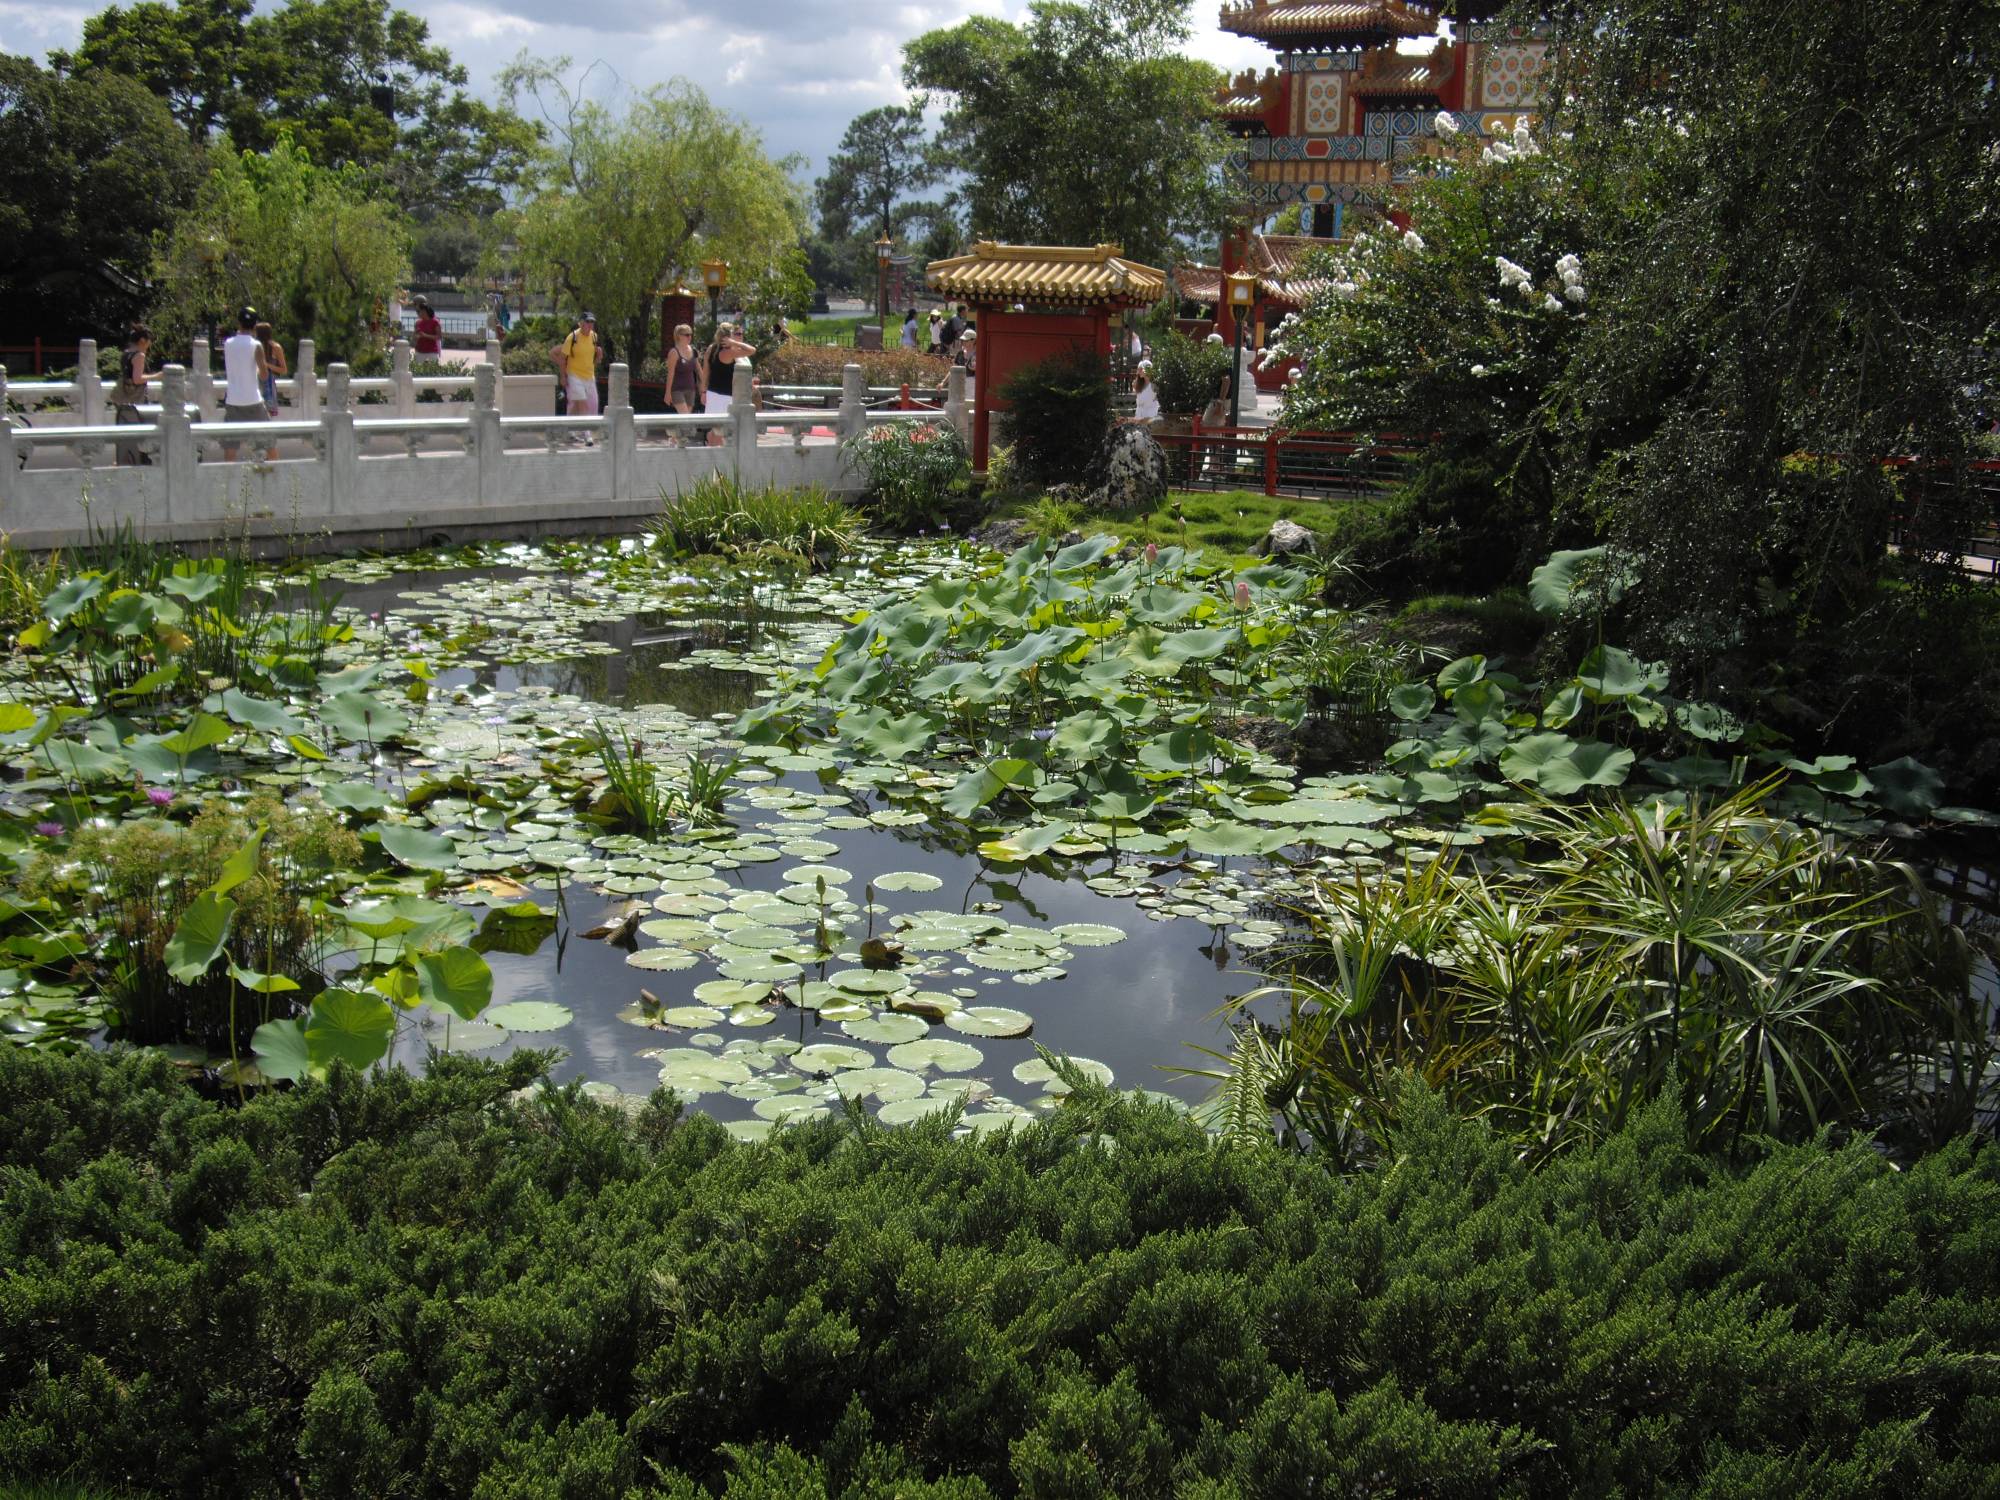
column 797, row 69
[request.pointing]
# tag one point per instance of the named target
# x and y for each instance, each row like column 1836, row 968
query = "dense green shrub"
column 1059, row 409
column 1187, row 371
column 913, row 468
column 717, row 515
column 413, row 1287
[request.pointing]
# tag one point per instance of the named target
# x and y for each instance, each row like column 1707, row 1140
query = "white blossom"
column 1412, row 241
column 1510, row 274
column 1444, row 124
column 1479, row 371
column 1344, row 289
column 1576, row 293
column 1570, row 268
column 1523, row 141
column 1552, row 303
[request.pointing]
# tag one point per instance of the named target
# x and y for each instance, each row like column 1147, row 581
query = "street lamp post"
column 1242, row 300
column 883, row 248
column 715, row 276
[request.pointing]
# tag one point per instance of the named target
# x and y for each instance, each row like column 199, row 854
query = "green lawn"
column 46, row 1489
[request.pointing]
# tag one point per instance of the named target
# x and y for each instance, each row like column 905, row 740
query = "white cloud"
column 798, row 70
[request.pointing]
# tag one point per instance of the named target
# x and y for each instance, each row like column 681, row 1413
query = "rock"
column 1004, row 536
column 1284, row 538
column 1129, row 474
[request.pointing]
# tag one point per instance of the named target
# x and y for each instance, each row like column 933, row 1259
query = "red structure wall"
column 1008, row 340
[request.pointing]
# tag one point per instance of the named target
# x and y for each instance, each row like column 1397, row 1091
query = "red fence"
column 24, row 360
column 1944, row 519
column 1282, row 462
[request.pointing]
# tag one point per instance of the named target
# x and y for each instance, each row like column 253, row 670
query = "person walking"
column 429, row 341
column 910, row 329
column 267, row 383
column 936, row 332
column 683, row 375
column 576, row 362
column 718, row 375
column 130, row 390
column 243, row 370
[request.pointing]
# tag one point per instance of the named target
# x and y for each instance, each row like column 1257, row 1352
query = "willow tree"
column 312, row 248
column 623, row 205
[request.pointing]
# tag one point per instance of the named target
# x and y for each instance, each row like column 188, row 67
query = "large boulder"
column 1129, row 474
column 1285, row 538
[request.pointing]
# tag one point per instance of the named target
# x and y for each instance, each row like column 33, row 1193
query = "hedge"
column 421, row 1287
column 794, row 363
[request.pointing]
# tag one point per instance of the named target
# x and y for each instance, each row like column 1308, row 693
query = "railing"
column 342, row 477
column 1280, row 462
column 1946, row 520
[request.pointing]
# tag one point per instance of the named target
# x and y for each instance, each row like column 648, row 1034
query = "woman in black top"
column 718, row 374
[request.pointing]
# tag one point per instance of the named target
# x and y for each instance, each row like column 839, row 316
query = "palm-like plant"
column 1780, row 981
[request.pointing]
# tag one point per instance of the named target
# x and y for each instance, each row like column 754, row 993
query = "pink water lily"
column 1242, row 594
column 159, row 796
column 50, row 830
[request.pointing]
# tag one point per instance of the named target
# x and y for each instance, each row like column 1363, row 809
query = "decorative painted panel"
column 1514, row 75
column 1321, row 62
column 1322, row 103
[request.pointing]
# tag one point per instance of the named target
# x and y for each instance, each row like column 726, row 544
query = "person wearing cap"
column 1145, row 395
column 936, row 332
column 243, row 370
column 429, row 340
column 576, row 362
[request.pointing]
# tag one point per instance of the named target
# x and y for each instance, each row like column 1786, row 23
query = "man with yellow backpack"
column 576, row 367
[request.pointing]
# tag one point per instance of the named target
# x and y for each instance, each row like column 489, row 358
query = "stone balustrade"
column 418, row 473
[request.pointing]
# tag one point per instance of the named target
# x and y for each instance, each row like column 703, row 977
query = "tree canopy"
column 1081, row 125
column 884, row 156
column 354, row 82
column 619, row 207
column 91, row 168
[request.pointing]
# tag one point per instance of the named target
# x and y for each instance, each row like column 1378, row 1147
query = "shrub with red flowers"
column 912, row 468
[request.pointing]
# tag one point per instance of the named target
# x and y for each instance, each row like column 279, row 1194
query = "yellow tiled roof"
column 1046, row 273
column 1285, row 19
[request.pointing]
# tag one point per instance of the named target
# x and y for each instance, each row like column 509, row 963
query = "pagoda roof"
column 1247, row 98
column 1328, row 23
column 1277, row 259
column 1389, row 74
column 1080, row 275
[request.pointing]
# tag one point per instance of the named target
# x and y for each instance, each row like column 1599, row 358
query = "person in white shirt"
column 243, row 370
column 910, row 329
column 1145, row 395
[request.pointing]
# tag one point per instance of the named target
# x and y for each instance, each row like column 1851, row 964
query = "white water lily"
column 1511, row 274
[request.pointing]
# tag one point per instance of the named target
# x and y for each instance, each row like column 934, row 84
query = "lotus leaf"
column 418, row 848
column 1907, row 786
column 346, row 1024
column 456, row 979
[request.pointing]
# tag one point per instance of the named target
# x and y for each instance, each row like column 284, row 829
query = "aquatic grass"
column 717, row 515
column 640, row 796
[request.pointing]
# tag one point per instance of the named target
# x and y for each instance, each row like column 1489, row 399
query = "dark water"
column 1134, row 1006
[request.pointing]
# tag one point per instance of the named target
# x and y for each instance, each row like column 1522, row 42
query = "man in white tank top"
column 243, row 374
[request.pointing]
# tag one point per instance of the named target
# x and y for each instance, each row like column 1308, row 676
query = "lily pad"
column 990, row 1020
column 936, row 1052
column 907, row 880
column 823, row 1058
column 887, row 1027
column 885, row 1085
column 662, row 960
column 530, row 1015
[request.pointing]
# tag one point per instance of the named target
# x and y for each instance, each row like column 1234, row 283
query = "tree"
column 1801, row 235
column 90, row 170
column 313, row 248
column 621, row 207
column 883, row 157
column 354, row 82
column 1080, row 126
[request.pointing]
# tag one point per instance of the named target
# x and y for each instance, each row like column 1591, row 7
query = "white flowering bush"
column 1455, row 330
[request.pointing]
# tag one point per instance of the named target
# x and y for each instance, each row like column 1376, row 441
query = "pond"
column 903, row 833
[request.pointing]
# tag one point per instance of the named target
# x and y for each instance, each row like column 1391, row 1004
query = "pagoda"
column 1335, row 124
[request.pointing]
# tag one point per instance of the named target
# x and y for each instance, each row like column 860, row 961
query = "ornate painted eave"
column 1065, row 275
column 1328, row 23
